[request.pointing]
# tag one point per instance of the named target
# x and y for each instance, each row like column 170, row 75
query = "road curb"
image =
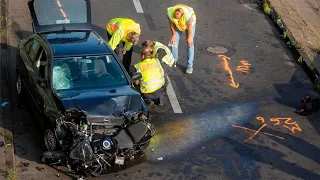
column 304, row 58
column 6, row 95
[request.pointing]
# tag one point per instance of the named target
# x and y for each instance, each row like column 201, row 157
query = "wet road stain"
column 180, row 136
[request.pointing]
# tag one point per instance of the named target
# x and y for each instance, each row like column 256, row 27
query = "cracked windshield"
column 85, row 72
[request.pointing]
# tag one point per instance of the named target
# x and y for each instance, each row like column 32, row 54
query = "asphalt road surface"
column 208, row 140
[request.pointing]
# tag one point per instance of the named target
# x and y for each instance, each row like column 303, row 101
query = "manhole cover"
column 217, row 49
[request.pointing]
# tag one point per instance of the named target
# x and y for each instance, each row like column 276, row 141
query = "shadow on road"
column 275, row 158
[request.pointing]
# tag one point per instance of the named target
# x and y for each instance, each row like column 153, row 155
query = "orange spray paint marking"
column 226, row 66
column 245, row 128
column 259, row 118
column 255, row 133
column 245, row 67
column 292, row 126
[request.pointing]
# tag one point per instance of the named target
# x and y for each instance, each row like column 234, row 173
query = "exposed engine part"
column 91, row 146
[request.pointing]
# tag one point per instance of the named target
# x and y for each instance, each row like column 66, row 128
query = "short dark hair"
column 147, row 44
column 145, row 52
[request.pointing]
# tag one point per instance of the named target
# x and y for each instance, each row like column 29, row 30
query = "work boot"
column 189, row 70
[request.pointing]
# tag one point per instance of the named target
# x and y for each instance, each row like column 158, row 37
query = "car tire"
column 50, row 140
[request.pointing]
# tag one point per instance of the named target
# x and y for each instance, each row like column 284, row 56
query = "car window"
column 60, row 12
column 29, row 44
column 87, row 72
column 33, row 49
column 41, row 61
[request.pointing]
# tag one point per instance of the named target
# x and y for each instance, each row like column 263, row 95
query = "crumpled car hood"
column 102, row 102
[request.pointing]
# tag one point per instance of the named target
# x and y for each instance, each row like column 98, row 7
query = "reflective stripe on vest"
column 188, row 12
column 152, row 75
column 168, row 58
column 125, row 25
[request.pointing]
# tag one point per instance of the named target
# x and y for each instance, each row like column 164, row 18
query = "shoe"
column 189, row 70
column 160, row 103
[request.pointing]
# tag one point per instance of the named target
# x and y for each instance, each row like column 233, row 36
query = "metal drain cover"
column 216, row 49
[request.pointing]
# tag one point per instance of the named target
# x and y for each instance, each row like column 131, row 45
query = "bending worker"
column 152, row 81
column 182, row 18
column 127, row 31
column 161, row 52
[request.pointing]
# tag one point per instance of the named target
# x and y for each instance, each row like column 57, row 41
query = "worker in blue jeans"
column 182, row 18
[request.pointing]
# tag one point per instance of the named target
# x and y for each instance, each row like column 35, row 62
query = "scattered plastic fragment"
column 4, row 103
column 58, row 175
column 152, row 150
column 160, row 158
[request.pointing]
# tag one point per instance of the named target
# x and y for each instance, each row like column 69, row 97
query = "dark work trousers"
column 155, row 96
column 126, row 61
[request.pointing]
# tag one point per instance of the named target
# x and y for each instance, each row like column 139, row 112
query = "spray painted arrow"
column 226, row 66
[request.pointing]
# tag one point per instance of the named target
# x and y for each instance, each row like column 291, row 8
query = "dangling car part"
column 90, row 146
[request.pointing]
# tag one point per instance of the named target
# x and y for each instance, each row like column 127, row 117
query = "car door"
column 44, row 95
column 27, row 71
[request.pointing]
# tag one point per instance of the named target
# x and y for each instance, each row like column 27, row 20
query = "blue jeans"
column 190, row 49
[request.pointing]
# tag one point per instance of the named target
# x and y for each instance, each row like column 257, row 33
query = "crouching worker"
column 152, row 81
column 161, row 52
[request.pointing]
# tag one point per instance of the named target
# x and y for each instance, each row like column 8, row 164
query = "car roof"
column 76, row 43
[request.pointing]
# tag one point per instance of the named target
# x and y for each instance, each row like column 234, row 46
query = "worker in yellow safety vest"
column 152, row 81
column 161, row 52
column 182, row 18
column 123, row 30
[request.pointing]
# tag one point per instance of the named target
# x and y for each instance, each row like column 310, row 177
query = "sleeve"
column 128, row 46
column 190, row 21
column 167, row 57
column 115, row 39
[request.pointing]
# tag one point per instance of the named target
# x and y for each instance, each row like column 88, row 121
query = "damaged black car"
column 80, row 92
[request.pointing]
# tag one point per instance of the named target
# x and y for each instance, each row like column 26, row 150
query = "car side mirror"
column 136, row 76
column 42, row 83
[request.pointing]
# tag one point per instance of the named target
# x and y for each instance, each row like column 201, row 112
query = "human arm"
column 127, row 46
column 189, row 36
column 173, row 36
column 115, row 39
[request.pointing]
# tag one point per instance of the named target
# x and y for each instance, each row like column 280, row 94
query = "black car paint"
column 60, row 99
column 102, row 102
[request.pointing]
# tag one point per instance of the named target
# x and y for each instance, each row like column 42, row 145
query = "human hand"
column 190, row 42
column 172, row 39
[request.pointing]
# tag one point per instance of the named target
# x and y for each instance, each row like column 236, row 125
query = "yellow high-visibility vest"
column 182, row 23
column 119, row 28
column 152, row 75
column 168, row 58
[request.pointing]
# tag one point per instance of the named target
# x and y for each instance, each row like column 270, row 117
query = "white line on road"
column 138, row 6
column 170, row 92
column 173, row 98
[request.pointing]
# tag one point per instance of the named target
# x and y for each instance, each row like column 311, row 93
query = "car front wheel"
column 50, row 140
